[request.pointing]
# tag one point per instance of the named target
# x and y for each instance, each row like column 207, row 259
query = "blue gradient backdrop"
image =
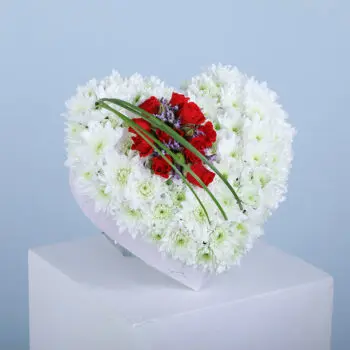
column 302, row 48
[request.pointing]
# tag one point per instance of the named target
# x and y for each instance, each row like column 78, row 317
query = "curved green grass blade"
column 143, row 134
column 167, row 150
column 164, row 127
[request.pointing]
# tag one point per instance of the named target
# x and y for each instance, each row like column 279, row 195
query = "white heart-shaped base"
column 146, row 251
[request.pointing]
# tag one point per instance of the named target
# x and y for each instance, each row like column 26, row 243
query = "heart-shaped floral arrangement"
column 196, row 172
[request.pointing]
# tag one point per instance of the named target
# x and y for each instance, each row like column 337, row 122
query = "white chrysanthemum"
column 178, row 242
column 96, row 191
column 253, row 153
column 98, row 139
column 145, row 189
column 73, row 132
column 231, row 122
column 117, row 170
column 229, row 147
column 81, row 107
column 130, row 219
column 227, row 200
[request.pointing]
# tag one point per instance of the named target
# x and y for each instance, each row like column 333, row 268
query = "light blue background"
column 47, row 47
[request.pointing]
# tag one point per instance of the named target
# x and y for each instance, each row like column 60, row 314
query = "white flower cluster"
column 254, row 153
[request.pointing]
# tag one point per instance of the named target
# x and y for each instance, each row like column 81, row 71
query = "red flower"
column 178, row 99
column 202, row 172
column 198, row 142
column 191, row 157
column 151, row 105
column 160, row 166
column 145, row 125
column 209, row 132
column 142, row 146
column 163, row 136
column 190, row 113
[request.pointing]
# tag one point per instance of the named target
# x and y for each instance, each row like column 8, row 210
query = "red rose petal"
column 151, row 105
column 190, row 113
column 202, row 172
column 178, row 99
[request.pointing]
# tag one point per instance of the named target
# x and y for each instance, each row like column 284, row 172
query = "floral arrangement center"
column 187, row 119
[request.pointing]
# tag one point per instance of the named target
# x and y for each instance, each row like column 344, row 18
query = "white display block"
column 86, row 295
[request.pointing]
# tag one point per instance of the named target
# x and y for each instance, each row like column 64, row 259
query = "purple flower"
column 175, row 145
column 161, row 117
column 177, row 124
column 212, row 157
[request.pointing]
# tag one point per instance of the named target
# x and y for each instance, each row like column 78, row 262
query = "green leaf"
column 164, row 127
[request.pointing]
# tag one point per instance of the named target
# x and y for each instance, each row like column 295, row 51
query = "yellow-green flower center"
column 179, row 197
column 157, row 236
column 134, row 213
column 145, row 189
column 199, row 215
column 181, row 241
column 102, row 193
column 122, row 175
column 236, row 129
column 205, row 256
column 162, row 212
column 99, row 147
column 220, row 235
column 87, row 175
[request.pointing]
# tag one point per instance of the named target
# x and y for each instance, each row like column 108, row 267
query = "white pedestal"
column 86, row 295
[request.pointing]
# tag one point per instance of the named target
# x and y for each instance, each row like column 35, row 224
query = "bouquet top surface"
column 196, row 171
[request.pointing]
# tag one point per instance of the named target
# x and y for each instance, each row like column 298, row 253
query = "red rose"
column 163, row 136
column 160, row 166
column 151, row 105
column 144, row 124
column 178, row 99
column 209, row 132
column 191, row 157
column 190, row 113
column 141, row 146
column 198, row 142
column 202, row 172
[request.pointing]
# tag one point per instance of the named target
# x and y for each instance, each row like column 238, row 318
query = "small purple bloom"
column 175, row 145
column 161, row 116
column 177, row 124
column 212, row 157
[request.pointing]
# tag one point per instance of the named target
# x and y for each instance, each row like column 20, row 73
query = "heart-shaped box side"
column 146, row 251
